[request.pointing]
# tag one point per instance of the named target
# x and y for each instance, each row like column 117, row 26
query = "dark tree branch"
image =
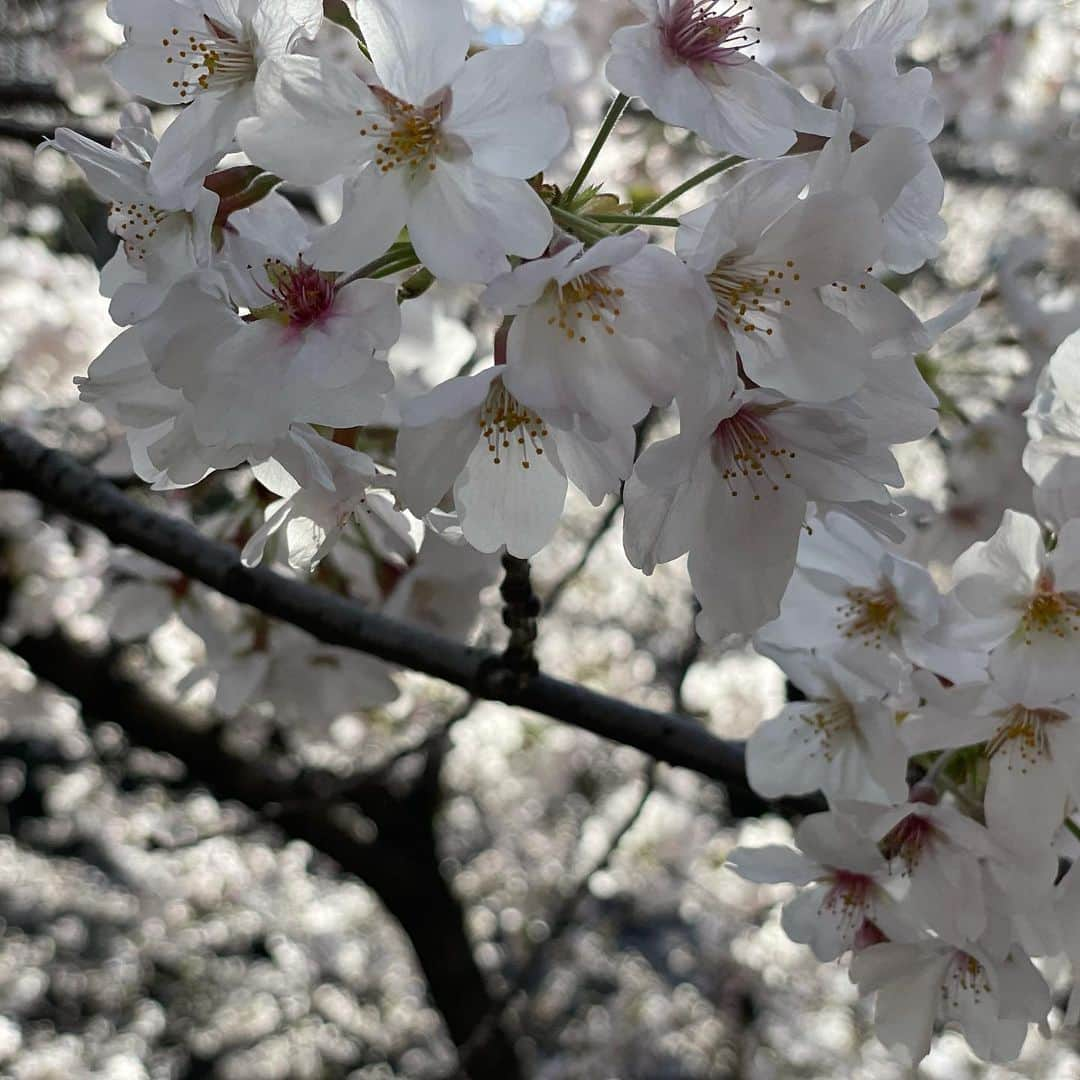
column 62, row 483
column 401, row 862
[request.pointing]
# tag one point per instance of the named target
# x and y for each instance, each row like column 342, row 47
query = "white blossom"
column 440, row 145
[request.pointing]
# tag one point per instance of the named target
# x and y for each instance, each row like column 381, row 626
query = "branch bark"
column 61, row 482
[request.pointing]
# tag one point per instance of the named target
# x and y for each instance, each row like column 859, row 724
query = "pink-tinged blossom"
column 692, row 64
column 732, row 489
column 847, row 903
column 440, row 144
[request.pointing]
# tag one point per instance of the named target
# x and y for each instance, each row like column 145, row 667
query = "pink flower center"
column 849, row 898
column 301, row 294
column 907, row 840
column 696, row 32
column 747, row 456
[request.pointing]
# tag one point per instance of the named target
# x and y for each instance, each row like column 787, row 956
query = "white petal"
column 500, row 110
column 417, row 48
column 463, row 222
column 308, row 130
column 506, row 504
column 375, row 208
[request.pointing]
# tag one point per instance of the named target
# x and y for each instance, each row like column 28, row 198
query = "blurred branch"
column 62, row 483
column 16, row 94
column 397, row 858
column 35, row 134
column 560, row 922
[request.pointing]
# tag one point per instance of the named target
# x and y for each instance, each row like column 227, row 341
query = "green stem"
column 698, row 178
column 610, row 120
column 396, row 254
column 578, row 225
column 635, row 219
column 416, row 285
column 1072, row 827
column 406, row 262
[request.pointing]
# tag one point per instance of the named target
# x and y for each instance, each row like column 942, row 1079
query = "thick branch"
column 61, row 482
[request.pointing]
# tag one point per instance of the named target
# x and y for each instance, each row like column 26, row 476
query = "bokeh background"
column 149, row 929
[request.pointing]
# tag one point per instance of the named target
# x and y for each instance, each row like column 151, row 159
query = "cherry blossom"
column 163, row 235
column 863, row 65
column 848, row 587
column 921, row 983
column 323, row 487
column 507, row 467
column 440, row 145
column 774, row 456
column 843, row 740
column 691, row 64
column 1052, row 457
column 603, row 333
column 204, row 55
column 313, row 352
column 1020, row 603
column 768, row 259
column 847, row 903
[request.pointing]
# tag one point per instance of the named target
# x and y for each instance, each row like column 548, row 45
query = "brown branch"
column 62, row 483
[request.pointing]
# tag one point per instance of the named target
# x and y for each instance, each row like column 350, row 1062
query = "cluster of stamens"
column 697, row 32
column 136, row 224
column 832, row 719
column 849, row 897
column 408, row 136
column 869, row 614
column 1048, row 611
column 965, row 977
column 510, row 428
column 744, row 452
column 743, row 293
column 907, row 840
column 219, row 58
column 588, row 301
column 301, row 294
column 1027, row 732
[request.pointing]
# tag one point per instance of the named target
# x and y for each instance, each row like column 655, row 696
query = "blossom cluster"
column 940, row 727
